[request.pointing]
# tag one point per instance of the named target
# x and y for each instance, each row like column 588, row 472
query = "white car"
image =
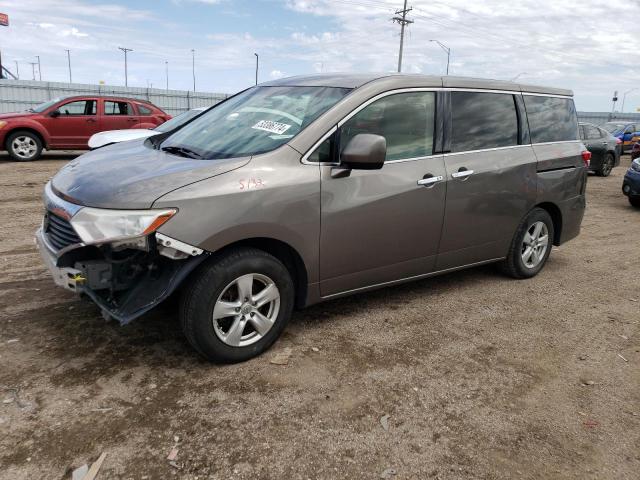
column 108, row 137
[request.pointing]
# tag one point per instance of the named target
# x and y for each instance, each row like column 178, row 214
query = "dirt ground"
column 476, row 375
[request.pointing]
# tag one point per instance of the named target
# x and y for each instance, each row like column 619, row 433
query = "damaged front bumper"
column 124, row 284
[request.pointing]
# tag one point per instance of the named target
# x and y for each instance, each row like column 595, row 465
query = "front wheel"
column 607, row 165
column 531, row 245
column 24, row 146
column 236, row 306
column 635, row 201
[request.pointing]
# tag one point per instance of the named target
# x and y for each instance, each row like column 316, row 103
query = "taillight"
column 618, row 141
column 586, row 157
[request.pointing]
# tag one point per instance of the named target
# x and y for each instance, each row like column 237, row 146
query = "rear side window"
column 405, row 120
column 117, row 108
column 551, row 119
column 483, row 120
column 144, row 110
column 591, row 132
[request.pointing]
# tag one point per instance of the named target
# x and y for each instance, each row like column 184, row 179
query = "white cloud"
column 276, row 74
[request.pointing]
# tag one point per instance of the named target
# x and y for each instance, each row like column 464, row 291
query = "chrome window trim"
column 531, row 94
column 559, row 141
column 368, row 102
column 486, row 150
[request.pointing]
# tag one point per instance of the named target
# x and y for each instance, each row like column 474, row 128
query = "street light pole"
column 33, row 69
column 624, row 96
column 39, row 69
column 166, row 69
column 446, row 49
column 257, row 65
column 125, row 50
column 193, row 67
column 17, row 70
column 69, row 62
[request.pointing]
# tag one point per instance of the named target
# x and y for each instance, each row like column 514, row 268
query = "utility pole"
column 17, row 70
column 257, row 65
column 166, row 71
column 624, row 97
column 446, row 49
column 125, row 50
column 33, row 69
column 403, row 23
column 615, row 99
column 193, row 67
column 69, row 62
column 39, row 70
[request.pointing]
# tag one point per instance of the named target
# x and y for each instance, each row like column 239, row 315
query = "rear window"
column 483, row 120
column 551, row 119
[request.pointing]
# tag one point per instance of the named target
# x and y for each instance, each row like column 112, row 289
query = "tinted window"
column 591, row 132
column 116, row 108
column 551, row 119
column 144, row 110
column 82, row 107
column 255, row 121
column 483, row 120
column 405, row 120
column 323, row 152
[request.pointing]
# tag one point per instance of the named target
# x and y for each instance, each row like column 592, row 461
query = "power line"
column 125, row 50
column 403, row 23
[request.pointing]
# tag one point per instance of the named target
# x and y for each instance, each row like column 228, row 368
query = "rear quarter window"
column 551, row 119
column 144, row 110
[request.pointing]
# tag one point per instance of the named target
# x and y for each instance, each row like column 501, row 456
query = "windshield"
column 613, row 127
column 255, row 121
column 178, row 120
column 43, row 106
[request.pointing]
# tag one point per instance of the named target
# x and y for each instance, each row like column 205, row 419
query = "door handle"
column 92, row 120
column 430, row 180
column 462, row 173
column 131, row 119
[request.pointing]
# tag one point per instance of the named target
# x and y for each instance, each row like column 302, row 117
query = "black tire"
column 634, row 201
column 21, row 155
column 213, row 279
column 607, row 165
column 514, row 265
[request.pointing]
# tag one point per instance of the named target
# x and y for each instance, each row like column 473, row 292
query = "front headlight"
column 635, row 165
column 97, row 225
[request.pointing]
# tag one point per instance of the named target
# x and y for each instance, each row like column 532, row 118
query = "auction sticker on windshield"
column 272, row 127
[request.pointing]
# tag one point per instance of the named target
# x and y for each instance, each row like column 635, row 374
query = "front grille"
column 59, row 231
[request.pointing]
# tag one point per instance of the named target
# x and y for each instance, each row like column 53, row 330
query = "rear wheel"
column 635, row 201
column 531, row 245
column 24, row 146
column 607, row 165
column 237, row 306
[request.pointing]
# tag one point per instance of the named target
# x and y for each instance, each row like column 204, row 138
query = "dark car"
column 605, row 148
column 68, row 123
column 631, row 183
column 635, row 151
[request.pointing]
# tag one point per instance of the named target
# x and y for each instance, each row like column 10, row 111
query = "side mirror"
column 365, row 151
column 55, row 113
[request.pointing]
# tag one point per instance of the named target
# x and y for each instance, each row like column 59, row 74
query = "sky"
column 587, row 46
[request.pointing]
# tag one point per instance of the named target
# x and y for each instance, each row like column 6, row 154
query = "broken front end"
column 115, row 257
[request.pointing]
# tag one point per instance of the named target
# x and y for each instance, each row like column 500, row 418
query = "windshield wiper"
column 182, row 151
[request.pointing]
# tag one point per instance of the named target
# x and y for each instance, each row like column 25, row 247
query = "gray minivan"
column 310, row 188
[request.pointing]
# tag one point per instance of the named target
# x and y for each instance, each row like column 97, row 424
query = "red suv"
column 68, row 123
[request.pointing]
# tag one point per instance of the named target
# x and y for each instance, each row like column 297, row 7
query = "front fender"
column 26, row 124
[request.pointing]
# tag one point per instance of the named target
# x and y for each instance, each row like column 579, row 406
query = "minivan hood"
column 131, row 175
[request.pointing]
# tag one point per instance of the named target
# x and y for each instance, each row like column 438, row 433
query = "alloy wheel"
column 246, row 310
column 608, row 166
column 535, row 244
column 25, row 147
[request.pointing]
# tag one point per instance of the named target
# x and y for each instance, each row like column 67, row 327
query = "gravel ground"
column 476, row 375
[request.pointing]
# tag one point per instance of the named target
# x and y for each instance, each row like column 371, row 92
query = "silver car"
column 311, row 188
